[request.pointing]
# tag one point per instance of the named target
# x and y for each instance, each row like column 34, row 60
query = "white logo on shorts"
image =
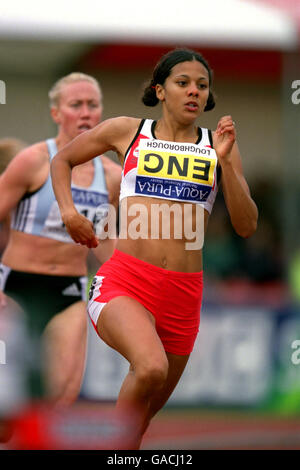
column 71, row 290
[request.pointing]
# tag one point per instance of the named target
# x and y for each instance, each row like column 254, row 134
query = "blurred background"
column 245, row 369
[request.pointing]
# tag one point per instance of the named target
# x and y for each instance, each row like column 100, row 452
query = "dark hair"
column 163, row 69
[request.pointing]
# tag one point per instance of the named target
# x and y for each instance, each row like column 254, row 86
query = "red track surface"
column 171, row 429
column 214, row 431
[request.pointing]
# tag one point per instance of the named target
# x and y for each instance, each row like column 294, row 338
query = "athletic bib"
column 177, row 171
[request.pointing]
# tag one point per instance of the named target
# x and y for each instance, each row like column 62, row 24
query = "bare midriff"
column 35, row 254
column 176, row 245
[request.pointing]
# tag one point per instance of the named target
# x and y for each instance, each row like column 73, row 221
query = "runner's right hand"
column 81, row 230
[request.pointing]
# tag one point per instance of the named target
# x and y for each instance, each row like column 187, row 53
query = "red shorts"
column 174, row 298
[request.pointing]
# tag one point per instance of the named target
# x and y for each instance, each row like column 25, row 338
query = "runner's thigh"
column 125, row 325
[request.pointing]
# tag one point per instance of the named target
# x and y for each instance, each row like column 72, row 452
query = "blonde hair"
column 9, row 147
column 55, row 91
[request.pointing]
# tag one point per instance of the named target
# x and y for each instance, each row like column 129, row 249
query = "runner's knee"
column 152, row 374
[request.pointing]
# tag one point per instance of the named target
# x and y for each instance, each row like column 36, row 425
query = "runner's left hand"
column 224, row 137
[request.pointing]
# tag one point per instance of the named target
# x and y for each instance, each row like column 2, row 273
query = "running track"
column 222, row 431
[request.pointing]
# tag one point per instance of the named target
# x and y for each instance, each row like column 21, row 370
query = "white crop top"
column 178, row 171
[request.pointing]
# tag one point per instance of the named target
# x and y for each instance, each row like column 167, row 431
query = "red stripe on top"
column 132, row 157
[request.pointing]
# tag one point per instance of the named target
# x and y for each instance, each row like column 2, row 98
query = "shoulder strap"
column 99, row 181
column 52, row 148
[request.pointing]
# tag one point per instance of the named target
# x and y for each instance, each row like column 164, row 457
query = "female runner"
column 145, row 301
